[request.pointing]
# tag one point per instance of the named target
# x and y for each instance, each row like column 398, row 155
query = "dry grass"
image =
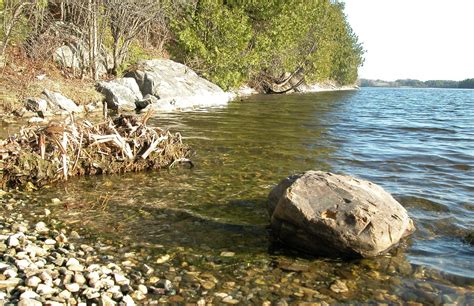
column 24, row 77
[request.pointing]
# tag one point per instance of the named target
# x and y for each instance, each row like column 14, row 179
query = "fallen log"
column 44, row 155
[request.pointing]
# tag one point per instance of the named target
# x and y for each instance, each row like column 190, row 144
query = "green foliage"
column 235, row 41
column 135, row 53
column 20, row 27
column 214, row 40
column 467, row 83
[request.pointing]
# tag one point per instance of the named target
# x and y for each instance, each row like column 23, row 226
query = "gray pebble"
column 128, row 300
column 33, row 281
column 73, row 287
column 29, row 295
column 29, row 302
column 43, row 289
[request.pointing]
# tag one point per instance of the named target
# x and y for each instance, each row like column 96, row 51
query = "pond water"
column 417, row 143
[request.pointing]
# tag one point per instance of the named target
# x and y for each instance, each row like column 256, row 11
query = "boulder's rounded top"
column 338, row 213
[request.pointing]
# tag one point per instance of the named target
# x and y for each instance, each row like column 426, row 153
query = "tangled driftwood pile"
column 42, row 155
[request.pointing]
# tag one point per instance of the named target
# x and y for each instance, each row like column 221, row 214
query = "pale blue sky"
column 418, row 39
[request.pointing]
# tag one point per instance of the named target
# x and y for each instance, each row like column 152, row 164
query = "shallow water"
column 417, row 143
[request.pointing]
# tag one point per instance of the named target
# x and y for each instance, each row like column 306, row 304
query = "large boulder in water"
column 336, row 215
column 176, row 85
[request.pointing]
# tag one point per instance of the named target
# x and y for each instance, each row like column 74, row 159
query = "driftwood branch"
column 58, row 151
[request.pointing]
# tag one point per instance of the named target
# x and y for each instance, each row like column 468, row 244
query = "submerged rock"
column 469, row 238
column 336, row 215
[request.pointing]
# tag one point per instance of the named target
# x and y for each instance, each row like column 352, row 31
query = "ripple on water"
column 417, row 144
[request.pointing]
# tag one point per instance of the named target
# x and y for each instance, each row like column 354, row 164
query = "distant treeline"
column 467, row 83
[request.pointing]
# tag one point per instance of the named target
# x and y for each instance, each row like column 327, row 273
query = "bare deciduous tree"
column 129, row 18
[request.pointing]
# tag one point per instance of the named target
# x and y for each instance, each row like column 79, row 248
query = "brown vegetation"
column 24, row 77
column 42, row 155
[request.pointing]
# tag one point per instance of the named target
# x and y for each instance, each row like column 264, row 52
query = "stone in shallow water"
column 163, row 259
column 143, row 289
column 107, row 301
column 336, row 215
column 339, row 286
column 41, row 227
column 128, row 300
column 120, row 279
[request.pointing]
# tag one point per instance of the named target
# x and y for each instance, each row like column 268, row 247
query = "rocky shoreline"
column 159, row 84
column 44, row 265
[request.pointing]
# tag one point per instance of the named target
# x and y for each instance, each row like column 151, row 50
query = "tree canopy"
column 233, row 42
column 228, row 42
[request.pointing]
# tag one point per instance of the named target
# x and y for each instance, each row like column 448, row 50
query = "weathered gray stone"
column 43, row 289
column 75, row 56
column 336, row 215
column 120, row 279
column 9, row 283
column 36, row 104
column 79, row 278
column 29, row 295
column 107, row 300
column 57, row 100
column 33, row 281
column 121, row 94
column 13, row 241
column 29, row 302
column 128, row 300
column 22, row 264
column 147, row 100
column 177, row 86
column 41, row 227
column 72, row 287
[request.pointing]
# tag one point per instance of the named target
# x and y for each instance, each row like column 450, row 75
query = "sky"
column 416, row 39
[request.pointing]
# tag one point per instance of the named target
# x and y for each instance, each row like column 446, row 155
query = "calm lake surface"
column 417, row 143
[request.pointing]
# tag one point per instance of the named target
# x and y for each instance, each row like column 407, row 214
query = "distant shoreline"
column 411, row 83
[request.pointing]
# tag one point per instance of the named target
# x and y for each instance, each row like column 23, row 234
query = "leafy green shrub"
column 214, row 39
